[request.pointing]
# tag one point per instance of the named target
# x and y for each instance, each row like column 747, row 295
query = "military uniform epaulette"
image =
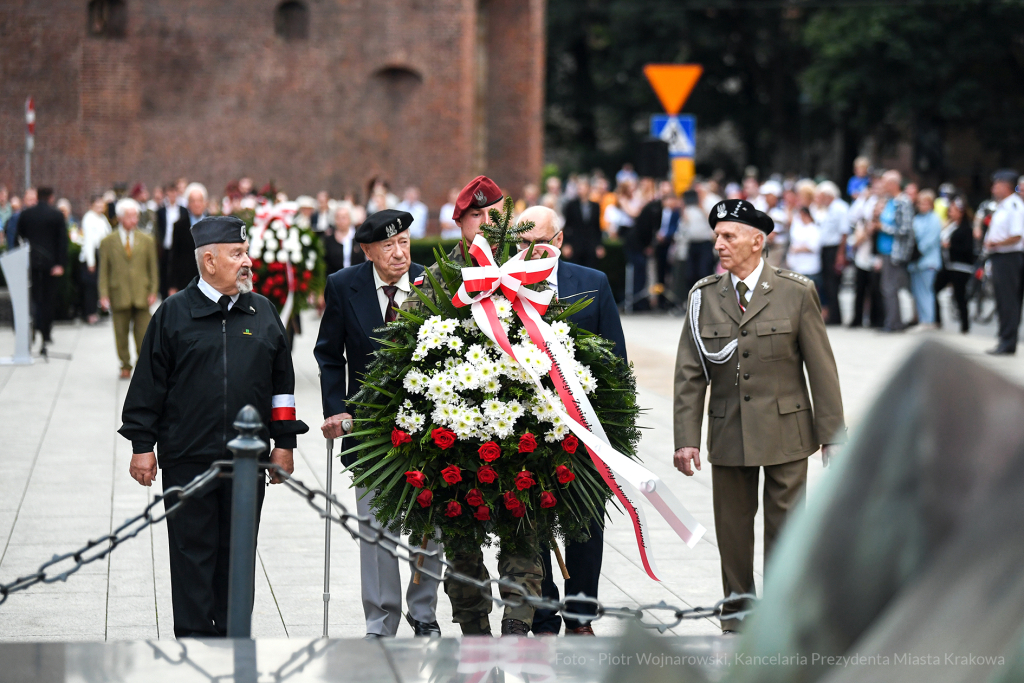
column 796, row 277
column 703, row 282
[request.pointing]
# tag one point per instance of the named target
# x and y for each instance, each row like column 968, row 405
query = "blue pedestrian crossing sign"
column 680, row 132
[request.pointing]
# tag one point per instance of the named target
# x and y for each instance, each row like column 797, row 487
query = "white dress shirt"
column 95, row 227
column 404, row 290
column 213, row 295
column 750, row 281
column 173, row 214
column 127, row 237
column 450, row 230
column 553, row 279
column 1007, row 221
column 420, row 216
column 807, row 235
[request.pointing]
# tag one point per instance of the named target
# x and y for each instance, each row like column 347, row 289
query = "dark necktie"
column 224, row 301
column 742, row 289
column 391, row 314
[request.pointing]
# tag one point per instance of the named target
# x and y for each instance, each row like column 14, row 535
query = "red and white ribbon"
column 282, row 407
column 627, row 478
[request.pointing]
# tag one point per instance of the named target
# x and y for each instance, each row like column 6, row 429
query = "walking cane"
column 327, row 534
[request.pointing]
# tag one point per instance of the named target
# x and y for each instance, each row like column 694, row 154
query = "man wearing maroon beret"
column 470, row 213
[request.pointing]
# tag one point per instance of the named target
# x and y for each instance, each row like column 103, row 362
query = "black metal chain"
column 99, row 548
column 643, row 614
column 53, row 571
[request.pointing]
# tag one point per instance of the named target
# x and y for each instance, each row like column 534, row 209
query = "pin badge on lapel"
column 764, row 285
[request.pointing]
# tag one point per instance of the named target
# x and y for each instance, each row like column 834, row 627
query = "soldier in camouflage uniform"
column 470, row 606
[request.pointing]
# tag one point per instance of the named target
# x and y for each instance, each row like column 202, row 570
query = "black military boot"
column 514, row 627
column 481, row 627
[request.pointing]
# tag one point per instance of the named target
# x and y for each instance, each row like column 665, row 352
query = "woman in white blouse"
column 804, row 255
column 95, row 227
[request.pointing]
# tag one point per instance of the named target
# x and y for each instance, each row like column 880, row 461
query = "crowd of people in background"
column 883, row 233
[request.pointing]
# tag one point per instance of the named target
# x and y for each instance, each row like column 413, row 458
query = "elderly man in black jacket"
column 210, row 350
column 45, row 229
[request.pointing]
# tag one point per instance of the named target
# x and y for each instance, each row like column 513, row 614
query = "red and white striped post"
column 30, row 139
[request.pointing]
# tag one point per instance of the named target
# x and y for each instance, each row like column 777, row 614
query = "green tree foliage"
column 787, row 74
column 922, row 70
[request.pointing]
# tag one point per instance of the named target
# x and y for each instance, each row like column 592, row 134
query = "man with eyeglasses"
column 570, row 282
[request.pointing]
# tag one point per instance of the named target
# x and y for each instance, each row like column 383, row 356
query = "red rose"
column 482, row 514
column 307, row 275
column 564, row 474
column 525, row 480
column 527, row 443
column 425, row 498
column 444, row 438
column 398, row 437
column 486, row 474
column 489, row 452
column 519, row 511
column 453, row 509
column 415, row 478
column 451, row 474
column 570, row 443
column 511, row 502
column 475, row 498
column 547, row 500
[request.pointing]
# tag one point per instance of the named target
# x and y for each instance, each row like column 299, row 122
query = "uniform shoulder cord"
column 718, row 357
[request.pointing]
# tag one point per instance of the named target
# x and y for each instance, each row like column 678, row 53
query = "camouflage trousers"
column 470, row 606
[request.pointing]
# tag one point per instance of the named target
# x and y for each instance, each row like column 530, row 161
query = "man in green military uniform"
column 750, row 335
column 470, row 606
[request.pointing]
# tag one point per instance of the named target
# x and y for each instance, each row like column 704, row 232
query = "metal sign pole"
column 327, row 532
column 30, row 140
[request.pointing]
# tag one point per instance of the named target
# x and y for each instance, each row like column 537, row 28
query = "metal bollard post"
column 245, row 448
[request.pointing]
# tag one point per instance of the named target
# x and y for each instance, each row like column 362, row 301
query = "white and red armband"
column 282, row 407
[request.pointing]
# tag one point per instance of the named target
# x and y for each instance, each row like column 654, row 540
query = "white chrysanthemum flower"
column 475, row 415
column 556, row 434
column 502, row 306
column 429, row 326
column 586, row 378
column 464, row 426
column 255, row 253
column 486, row 371
column 533, row 358
column 282, row 256
column 502, row 426
column 415, row 382
column 410, row 421
column 466, row 375
column 419, row 354
column 434, row 341
column 271, row 244
column 281, row 234
column 476, row 354
column 560, row 328
column 447, row 326
column 493, row 408
column 523, row 334
column 297, row 256
column 491, row 386
column 277, row 224
column 306, row 240
column 469, row 324
column 455, row 344
column 515, row 409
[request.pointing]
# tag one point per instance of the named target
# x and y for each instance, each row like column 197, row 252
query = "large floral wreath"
column 286, row 259
column 454, row 434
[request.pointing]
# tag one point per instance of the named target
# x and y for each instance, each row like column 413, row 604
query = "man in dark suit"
column 166, row 216
column 45, row 229
column 181, row 269
column 571, row 281
column 640, row 246
column 358, row 300
column 668, row 225
column 583, row 228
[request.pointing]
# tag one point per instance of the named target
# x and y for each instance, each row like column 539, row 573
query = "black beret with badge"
column 219, row 230
column 740, row 211
column 383, row 225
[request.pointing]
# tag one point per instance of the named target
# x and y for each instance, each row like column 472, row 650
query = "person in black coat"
column 639, row 248
column 601, row 317
column 181, row 267
column 210, row 350
column 958, row 258
column 44, row 228
column 359, row 300
column 582, row 228
column 340, row 248
column 166, row 216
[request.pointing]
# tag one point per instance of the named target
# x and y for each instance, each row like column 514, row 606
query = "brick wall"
column 205, row 89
